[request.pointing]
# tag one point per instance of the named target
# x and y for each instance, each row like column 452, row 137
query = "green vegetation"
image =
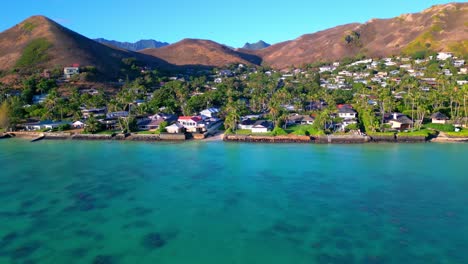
column 385, row 134
column 4, row 115
column 418, row 133
column 462, row 133
column 440, row 127
column 34, row 53
column 29, row 26
column 304, row 130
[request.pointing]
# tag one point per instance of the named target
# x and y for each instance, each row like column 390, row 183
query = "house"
column 47, row 124
column 210, row 113
column 175, row 128
column 246, row 124
column 39, row 99
column 398, row 121
column 439, row 118
column 346, row 111
column 78, row 124
column 296, row 119
column 117, row 114
column 86, row 113
column 192, row 123
column 70, row 71
column 153, row 122
column 444, row 55
column 262, row 126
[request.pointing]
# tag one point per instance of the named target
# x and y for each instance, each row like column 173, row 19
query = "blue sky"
column 229, row 22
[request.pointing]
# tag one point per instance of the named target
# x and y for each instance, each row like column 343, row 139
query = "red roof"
column 193, row 118
column 345, row 106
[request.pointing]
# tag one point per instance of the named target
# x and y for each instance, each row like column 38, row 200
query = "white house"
column 444, row 55
column 192, row 123
column 439, row 118
column 210, row 112
column 117, row 114
column 175, row 128
column 39, row 99
column 70, row 71
column 78, row 124
column 346, row 112
column 262, row 126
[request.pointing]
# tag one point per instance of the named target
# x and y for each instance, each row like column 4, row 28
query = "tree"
column 162, row 126
column 5, row 115
column 92, row 125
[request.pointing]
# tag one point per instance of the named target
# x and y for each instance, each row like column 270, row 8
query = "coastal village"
column 422, row 96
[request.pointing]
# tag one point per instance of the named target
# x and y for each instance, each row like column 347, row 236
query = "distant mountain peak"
column 256, row 46
column 134, row 46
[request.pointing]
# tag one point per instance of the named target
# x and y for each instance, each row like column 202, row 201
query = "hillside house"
column 346, row 111
column 70, row 71
column 210, row 113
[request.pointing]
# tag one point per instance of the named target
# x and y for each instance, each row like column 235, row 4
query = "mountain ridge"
column 256, row 46
column 133, row 46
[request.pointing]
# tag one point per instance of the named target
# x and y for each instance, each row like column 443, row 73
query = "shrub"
column 64, row 127
column 441, row 127
column 278, row 131
column 34, row 53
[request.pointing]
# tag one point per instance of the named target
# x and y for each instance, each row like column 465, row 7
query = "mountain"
column 40, row 43
column 197, row 52
column 439, row 28
column 136, row 46
column 256, row 46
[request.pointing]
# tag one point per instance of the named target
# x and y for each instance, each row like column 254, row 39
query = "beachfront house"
column 439, row 118
column 78, row 124
column 262, row 126
column 346, row 111
column 296, row 119
column 44, row 125
column 398, row 121
column 153, row 122
column 175, row 128
column 246, row 124
column 192, row 123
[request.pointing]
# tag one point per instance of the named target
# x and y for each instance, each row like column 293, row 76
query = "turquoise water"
column 113, row 202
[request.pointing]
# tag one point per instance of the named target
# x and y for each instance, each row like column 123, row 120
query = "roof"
column 347, row 110
column 400, row 118
column 193, row 118
column 262, row 123
column 248, row 122
column 175, row 125
column 439, row 116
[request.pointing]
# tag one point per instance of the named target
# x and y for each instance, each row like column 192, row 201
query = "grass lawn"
column 418, row 133
column 2, row 130
column 301, row 130
column 248, row 132
column 385, row 134
column 440, row 127
column 148, row 132
column 462, row 133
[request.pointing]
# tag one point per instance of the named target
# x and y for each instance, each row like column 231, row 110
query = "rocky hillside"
column 439, row 28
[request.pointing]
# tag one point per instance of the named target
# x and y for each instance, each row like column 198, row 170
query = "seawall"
column 267, row 139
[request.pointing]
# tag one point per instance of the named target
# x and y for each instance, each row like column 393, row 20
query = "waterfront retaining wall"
column 341, row 139
column 267, row 139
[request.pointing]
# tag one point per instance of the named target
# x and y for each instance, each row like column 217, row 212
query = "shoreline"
column 220, row 137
